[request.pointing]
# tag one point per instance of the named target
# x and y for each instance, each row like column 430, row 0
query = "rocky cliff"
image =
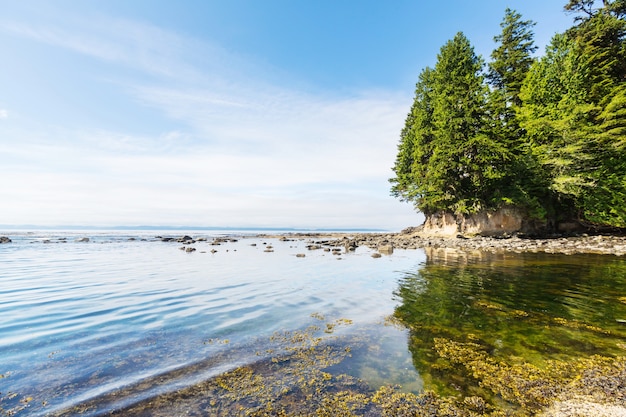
column 504, row 221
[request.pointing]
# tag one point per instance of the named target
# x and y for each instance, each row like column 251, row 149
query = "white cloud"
column 4, row 114
column 245, row 152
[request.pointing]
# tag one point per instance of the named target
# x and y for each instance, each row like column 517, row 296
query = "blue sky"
column 220, row 113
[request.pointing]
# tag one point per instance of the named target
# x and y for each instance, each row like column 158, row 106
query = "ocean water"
column 88, row 328
column 80, row 321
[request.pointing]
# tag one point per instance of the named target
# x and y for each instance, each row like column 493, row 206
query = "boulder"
column 4, row 239
column 387, row 249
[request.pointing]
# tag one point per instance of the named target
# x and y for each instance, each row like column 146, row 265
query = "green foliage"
column 548, row 135
column 447, row 157
column 415, row 146
column 573, row 113
column 512, row 58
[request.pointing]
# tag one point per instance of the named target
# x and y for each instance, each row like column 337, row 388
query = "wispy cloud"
column 245, row 151
column 4, row 114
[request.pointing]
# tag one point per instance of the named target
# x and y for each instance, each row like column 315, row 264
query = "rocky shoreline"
column 408, row 239
column 385, row 243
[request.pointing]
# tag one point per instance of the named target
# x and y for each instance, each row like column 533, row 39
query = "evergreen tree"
column 415, row 147
column 511, row 59
column 460, row 164
column 448, row 158
column 549, row 136
column 553, row 114
column 571, row 113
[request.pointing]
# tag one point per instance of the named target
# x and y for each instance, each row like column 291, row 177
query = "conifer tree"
column 448, row 158
column 415, row 147
column 549, row 136
column 571, row 113
column 512, row 58
column 511, row 61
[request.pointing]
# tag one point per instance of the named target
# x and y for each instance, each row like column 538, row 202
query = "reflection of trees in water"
column 530, row 307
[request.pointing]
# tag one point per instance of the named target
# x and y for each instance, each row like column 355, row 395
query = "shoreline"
column 387, row 242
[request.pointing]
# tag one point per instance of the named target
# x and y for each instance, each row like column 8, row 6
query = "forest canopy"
column 545, row 134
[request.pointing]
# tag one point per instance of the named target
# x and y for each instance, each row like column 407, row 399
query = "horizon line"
column 181, row 227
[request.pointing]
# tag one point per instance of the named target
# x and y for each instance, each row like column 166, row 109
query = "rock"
column 386, row 249
column 506, row 220
column 5, row 239
column 376, row 255
column 351, row 247
column 190, row 249
column 83, row 239
column 300, row 255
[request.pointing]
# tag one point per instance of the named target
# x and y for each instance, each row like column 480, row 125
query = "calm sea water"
column 114, row 321
column 80, row 320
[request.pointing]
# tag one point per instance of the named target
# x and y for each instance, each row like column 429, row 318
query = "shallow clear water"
column 528, row 307
column 114, row 321
column 79, row 320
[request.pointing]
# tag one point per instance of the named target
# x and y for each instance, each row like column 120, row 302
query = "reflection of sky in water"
column 84, row 318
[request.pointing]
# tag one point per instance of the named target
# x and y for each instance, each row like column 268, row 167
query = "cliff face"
column 506, row 220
